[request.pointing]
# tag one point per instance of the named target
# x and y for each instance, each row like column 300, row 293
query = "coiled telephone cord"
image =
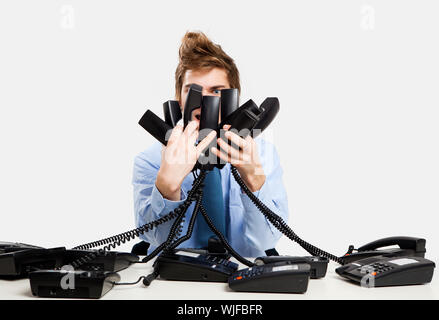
column 212, row 227
column 114, row 241
column 280, row 224
column 200, row 208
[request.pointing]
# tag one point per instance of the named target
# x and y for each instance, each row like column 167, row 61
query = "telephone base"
column 72, row 284
column 388, row 271
column 184, row 267
column 18, row 263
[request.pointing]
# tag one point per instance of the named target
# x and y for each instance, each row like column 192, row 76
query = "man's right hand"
column 179, row 158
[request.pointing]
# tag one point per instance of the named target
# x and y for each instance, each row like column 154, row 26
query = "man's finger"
column 240, row 142
column 205, row 142
column 229, row 150
column 175, row 133
column 192, row 138
column 190, row 128
column 225, row 157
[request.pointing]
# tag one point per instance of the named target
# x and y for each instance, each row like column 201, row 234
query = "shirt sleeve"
column 149, row 204
column 259, row 232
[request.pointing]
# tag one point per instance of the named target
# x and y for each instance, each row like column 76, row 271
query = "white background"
column 357, row 133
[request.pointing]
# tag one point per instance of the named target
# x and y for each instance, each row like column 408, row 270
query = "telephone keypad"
column 221, row 261
column 249, row 273
column 376, row 268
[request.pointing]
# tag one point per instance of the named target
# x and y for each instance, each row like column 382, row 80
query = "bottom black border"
column 181, row 309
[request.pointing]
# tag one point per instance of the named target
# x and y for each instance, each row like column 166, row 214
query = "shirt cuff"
column 159, row 204
column 254, row 216
column 258, row 194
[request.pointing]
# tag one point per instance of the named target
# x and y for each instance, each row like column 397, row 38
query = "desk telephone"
column 318, row 265
column 371, row 266
column 273, row 274
column 18, row 262
column 383, row 271
column 186, row 266
column 278, row 277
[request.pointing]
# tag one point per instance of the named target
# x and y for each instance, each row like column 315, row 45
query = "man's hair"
column 198, row 52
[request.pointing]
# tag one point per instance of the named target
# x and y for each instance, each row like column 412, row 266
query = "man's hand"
column 179, row 158
column 245, row 159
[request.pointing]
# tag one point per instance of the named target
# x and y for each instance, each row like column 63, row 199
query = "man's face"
column 212, row 81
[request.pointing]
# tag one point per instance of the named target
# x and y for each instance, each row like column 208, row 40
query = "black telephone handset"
column 6, row 247
column 172, row 112
column 408, row 246
column 228, row 103
column 247, row 119
column 194, row 100
column 160, row 129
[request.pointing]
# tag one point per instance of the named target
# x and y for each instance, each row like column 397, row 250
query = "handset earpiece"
column 193, row 101
column 229, row 102
column 269, row 109
column 242, row 120
column 208, row 122
column 209, row 115
column 158, row 128
column 245, row 117
column 172, row 112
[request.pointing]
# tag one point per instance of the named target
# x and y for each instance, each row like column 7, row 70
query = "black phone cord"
column 212, row 227
column 117, row 240
column 280, row 224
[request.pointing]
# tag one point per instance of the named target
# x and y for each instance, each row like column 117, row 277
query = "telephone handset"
column 229, row 102
column 408, row 246
column 194, row 100
column 172, row 112
column 6, row 247
column 247, row 119
column 416, row 244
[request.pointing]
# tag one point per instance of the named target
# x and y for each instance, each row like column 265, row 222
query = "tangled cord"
column 166, row 245
column 280, row 224
column 200, row 208
column 114, row 241
column 218, row 233
column 171, row 246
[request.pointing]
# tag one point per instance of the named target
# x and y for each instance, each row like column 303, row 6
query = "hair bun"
column 196, row 44
column 197, row 51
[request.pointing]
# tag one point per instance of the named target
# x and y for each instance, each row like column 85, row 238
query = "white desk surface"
column 332, row 286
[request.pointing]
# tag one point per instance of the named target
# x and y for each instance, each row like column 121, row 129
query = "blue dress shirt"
column 247, row 230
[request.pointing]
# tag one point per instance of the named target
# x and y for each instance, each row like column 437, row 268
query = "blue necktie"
column 214, row 205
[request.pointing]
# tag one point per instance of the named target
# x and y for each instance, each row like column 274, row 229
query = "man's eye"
column 217, row 91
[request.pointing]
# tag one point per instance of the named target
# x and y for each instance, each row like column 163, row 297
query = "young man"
column 162, row 178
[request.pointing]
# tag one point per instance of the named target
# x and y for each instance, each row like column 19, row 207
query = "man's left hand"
column 245, row 159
